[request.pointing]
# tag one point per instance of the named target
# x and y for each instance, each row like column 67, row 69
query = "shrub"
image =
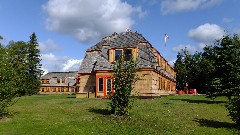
column 124, row 78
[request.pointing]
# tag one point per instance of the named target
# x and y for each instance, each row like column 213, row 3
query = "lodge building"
column 59, row 83
column 157, row 77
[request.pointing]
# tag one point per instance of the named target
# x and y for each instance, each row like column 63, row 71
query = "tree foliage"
column 124, row 78
column 34, row 71
column 19, row 71
column 8, row 86
column 215, row 71
column 18, row 53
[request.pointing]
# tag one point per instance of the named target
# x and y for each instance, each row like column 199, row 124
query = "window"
column 58, row 80
column 100, row 84
column 42, row 81
column 128, row 54
column 63, row 80
column 159, row 83
column 109, row 85
column 73, row 90
column 54, row 89
column 42, row 89
column 47, row 81
column 118, row 53
column 62, row 90
column 58, row 89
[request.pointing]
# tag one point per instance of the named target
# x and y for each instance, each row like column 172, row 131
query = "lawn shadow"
column 71, row 96
column 215, row 124
column 99, row 111
column 201, row 101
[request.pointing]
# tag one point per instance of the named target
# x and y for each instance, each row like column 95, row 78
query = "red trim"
column 105, row 77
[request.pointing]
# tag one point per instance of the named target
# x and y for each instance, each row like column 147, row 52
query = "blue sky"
column 66, row 28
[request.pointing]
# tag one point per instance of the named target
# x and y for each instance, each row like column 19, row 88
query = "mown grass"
column 64, row 114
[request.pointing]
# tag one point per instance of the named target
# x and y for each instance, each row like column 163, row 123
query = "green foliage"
column 124, row 78
column 18, row 53
column 19, row 71
column 7, row 83
column 233, row 108
column 225, row 76
column 33, row 66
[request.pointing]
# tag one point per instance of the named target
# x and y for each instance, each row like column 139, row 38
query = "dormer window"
column 114, row 54
column 118, row 53
column 127, row 54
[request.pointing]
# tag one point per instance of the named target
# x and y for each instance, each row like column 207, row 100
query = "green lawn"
column 64, row 114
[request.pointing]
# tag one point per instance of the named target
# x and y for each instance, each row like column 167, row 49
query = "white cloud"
column 71, row 65
column 45, row 71
column 88, row 20
column 206, row 33
column 48, row 57
column 140, row 12
column 191, row 48
column 48, row 46
column 51, row 63
column 173, row 6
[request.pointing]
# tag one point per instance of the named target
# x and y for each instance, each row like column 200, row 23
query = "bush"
column 234, row 109
column 124, row 78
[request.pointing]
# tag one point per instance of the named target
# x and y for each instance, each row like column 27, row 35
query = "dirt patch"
column 4, row 119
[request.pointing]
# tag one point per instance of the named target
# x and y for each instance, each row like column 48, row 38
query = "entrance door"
column 104, row 85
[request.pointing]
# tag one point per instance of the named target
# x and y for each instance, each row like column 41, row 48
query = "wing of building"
column 157, row 76
column 59, row 83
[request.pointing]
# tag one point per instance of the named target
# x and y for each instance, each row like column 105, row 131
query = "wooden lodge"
column 59, row 83
column 157, row 77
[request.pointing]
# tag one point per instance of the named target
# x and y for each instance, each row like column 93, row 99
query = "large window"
column 118, row 54
column 100, row 84
column 128, row 54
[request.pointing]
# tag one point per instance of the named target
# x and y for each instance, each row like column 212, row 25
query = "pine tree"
column 33, row 65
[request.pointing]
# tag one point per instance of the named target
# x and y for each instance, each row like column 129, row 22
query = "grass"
column 64, row 114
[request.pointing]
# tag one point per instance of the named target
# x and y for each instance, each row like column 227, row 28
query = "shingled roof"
column 69, row 77
column 96, row 57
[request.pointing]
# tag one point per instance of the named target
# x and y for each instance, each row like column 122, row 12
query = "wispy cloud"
column 189, row 47
column 173, row 6
column 227, row 20
column 48, row 46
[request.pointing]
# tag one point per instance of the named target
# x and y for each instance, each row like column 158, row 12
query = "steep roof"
column 96, row 57
column 121, row 40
